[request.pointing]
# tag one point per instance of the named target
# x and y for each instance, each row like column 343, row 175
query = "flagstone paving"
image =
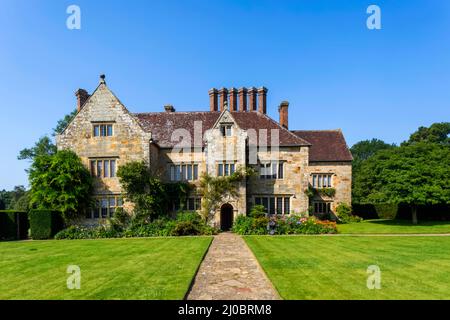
column 231, row 272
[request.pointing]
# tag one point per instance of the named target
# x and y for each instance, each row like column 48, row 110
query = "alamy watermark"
column 73, row 21
column 74, row 280
column 374, row 20
column 374, row 277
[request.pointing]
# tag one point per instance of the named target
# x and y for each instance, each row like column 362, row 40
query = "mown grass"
column 336, row 267
column 395, row 226
column 159, row 268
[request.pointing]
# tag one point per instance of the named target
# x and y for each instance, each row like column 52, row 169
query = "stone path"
column 230, row 272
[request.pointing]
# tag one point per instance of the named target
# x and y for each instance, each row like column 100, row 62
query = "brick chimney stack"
column 252, row 98
column 233, row 99
column 262, row 100
column 213, row 106
column 82, row 96
column 223, row 99
column 242, row 99
column 284, row 114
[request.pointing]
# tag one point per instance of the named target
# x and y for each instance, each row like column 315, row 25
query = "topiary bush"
column 44, row 224
column 13, row 225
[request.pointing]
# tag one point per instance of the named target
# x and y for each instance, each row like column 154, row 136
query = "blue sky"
column 316, row 54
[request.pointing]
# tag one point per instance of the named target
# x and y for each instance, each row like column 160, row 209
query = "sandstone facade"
column 184, row 145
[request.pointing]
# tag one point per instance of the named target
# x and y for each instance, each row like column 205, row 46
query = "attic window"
column 225, row 130
column 103, row 130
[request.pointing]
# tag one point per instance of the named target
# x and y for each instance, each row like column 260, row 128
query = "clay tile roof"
column 326, row 145
column 163, row 124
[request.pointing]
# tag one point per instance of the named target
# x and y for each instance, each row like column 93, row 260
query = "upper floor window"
column 183, row 172
column 225, row 130
column 225, row 169
column 272, row 170
column 321, row 180
column 103, row 168
column 103, row 130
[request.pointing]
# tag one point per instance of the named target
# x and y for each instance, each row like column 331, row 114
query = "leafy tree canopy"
column 416, row 174
column 365, row 149
column 436, row 133
column 45, row 145
column 9, row 199
column 60, row 182
column 64, row 122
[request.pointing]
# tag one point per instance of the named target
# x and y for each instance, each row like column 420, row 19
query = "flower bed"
column 293, row 224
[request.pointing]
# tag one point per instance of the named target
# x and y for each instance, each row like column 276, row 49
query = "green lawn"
column 395, row 226
column 335, row 267
column 159, row 268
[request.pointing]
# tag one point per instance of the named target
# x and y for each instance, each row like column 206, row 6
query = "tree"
column 60, row 182
column 436, row 133
column 45, row 145
column 365, row 149
column 62, row 124
column 415, row 174
column 9, row 199
column 151, row 197
column 215, row 189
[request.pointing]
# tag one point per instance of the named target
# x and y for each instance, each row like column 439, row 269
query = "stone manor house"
column 181, row 146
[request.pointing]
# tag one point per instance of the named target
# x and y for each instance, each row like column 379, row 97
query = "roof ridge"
column 283, row 128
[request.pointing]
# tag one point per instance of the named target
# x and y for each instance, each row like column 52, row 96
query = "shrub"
column 344, row 213
column 44, row 224
column 120, row 220
column 13, row 225
column 258, row 211
column 80, row 232
column 185, row 228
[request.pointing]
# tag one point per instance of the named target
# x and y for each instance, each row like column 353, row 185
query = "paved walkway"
column 230, row 272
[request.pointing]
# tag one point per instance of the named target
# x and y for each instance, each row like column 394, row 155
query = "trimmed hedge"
column 402, row 211
column 44, row 224
column 13, row 225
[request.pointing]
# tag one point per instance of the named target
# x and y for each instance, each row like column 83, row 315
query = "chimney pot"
column 233, row 99
column 223, row 98
column 102, row 78
column 284, row 114
column 213, row 106
column 82, row 95
column 262, row 100
column 252, row 98
column 169, row 108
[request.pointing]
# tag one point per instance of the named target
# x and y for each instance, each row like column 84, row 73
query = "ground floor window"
column 275, row 204
column 105, row 206
column 190, row 204
column 322, row 207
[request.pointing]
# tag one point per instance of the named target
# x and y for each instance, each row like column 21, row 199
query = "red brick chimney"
column 213, row 106
column 242, row 99
column 233, row 99
column 252, row 98
column 82, row 96
column 223, row 98
column 262, row 100
column 284, row 114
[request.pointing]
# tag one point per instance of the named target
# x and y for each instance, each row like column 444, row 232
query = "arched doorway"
column 226, row 217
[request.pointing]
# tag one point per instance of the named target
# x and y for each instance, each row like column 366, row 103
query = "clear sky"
column 318, row 55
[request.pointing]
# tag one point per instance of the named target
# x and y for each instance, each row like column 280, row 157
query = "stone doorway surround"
column 230, row 271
